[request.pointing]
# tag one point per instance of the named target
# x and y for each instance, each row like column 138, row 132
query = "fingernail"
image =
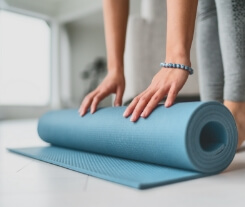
column 125, row 114
column 132, row 118
column 142, row 114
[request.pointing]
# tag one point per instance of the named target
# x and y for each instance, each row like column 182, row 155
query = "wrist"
column 115, row 67
column 116, row 70
column 177, row 65
column 180, row 56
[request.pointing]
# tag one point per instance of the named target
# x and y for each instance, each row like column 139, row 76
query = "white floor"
column 27, row 182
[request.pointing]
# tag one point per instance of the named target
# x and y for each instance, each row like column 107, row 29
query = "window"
column 24, row 60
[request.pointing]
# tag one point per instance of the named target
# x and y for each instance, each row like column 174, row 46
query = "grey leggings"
column 221, row 49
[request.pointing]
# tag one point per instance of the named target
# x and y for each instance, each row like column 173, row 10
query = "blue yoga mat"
column 185, row 141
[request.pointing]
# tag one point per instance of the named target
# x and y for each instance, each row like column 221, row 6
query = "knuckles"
column 155, row 98
column 97, row 98
column 137, row 110
column 143, row 99
column 136, row 99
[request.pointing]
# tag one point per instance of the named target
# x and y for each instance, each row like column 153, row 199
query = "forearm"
column 115, row 18
column 181, row 15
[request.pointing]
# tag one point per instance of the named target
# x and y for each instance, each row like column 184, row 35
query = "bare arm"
column 181, row 15
column 168, row 82
column 115, row 18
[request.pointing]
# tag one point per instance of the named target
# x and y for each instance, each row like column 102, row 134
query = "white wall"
column 87, row 43
column 83, row 40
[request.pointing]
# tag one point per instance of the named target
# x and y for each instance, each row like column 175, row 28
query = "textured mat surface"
column 186, row 141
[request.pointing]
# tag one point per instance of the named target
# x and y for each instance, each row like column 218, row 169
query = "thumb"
column 171, row 97
column 119, row 95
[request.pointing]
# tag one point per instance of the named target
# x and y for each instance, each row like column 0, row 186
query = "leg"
column 208, row 53
column 238, row 111
column 231, row 18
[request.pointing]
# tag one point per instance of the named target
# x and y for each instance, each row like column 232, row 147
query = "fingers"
column 132, row 105
column 171, row 96
column 119, row 95
column 86, row 103
column 143, row 101
column 155, row 99
column 164, row 83
column 114, row 82
column 97, row 98
column 92, row 100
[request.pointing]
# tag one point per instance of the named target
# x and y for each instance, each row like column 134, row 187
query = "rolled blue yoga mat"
column 185, row 141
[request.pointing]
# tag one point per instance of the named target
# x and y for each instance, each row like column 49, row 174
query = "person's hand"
column 114, row 82
column 167, row 81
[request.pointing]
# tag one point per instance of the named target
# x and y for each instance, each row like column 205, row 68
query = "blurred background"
column 52, row 53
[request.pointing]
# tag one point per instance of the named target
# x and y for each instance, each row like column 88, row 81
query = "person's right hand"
column 114, row 82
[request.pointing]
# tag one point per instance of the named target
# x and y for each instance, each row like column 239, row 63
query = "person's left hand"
column 168, row 82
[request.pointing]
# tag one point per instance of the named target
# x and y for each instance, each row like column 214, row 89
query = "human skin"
column 115, row 18
column 238, row 111
column 167, row 82
column 181, row 16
